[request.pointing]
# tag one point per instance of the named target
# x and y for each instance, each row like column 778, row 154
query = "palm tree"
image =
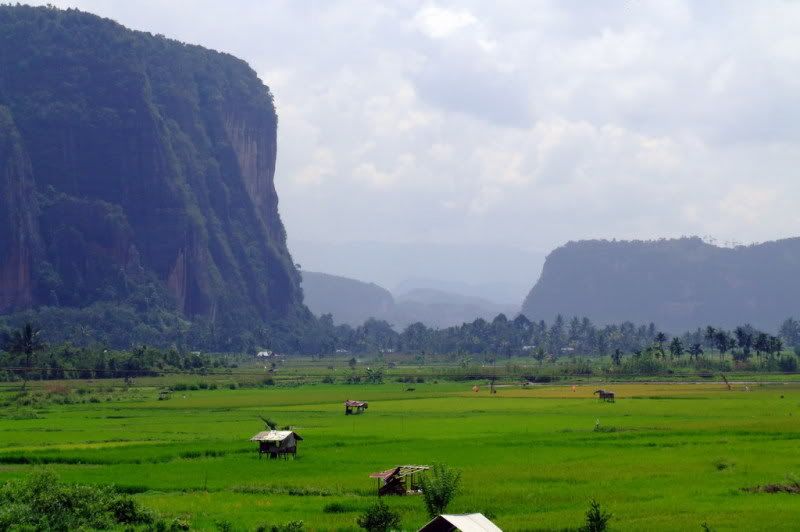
column 25, row 341
column 660, row 339
column 711, row 336
column 676, row 347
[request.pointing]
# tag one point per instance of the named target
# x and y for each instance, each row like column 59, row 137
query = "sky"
column 523, row 124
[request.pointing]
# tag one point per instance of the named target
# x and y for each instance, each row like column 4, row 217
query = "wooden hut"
column 277, row 443
column 354, row 407
column 399, row 480
column 462, row 522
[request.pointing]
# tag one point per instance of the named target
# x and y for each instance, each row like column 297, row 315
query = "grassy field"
column 667, row 457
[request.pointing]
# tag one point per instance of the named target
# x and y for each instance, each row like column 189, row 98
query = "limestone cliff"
column 128, row 157
column 677, row 284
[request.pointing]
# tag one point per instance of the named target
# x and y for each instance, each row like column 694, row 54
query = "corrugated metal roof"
column 274, row 435
column 467, row 522
column 355, row 403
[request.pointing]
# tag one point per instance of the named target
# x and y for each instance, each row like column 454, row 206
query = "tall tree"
column 27, row 342
column 676, row 347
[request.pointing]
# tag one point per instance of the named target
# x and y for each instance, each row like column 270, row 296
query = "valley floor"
column 662, row 457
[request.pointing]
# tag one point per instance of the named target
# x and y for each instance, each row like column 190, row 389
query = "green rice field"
column 662, row 457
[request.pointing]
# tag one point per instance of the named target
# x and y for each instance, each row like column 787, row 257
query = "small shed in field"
column 354, row 407
column 462, row 522
column 277, row 443
column 399, row 480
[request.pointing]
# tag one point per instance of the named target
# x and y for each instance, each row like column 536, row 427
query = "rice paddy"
column 662, row 457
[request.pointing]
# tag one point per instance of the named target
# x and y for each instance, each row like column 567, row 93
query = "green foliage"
column 269, row 423
column 439, row 487
column 291, row 526
column 41, row 502
column 596, row 518
column 379, row 518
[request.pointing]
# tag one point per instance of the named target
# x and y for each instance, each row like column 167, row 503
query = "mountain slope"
column 136, row 169
column 348, row 300
column 353, row 302
column 677, row 284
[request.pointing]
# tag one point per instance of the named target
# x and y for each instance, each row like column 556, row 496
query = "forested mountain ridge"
column 139, row 171
column 678, row 284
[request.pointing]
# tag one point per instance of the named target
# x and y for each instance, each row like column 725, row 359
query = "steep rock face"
column 129, row 157
column 17, row 221
column 676, row 284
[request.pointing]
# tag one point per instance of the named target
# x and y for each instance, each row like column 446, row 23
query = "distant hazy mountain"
column 493, row 272
column 437, row 308
column 352, row 302
column 677, row 284
column 349, row 301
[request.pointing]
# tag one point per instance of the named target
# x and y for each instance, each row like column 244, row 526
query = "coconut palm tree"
column 25, row 341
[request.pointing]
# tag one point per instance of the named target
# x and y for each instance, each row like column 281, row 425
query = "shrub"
column 291, row 526
column 439, row 487
column 596, row 518
column 41, row 502
column 328, row 379
column 334, row 508
column 788, row 364
column 379, row 518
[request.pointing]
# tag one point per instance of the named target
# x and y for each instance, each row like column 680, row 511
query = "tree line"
column 503, row 337
column 25, row 355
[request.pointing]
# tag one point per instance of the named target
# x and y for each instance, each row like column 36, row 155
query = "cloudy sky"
column 519, row 123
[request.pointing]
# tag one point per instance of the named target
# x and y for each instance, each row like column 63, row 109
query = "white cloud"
column 438, row 22
column 515, row 122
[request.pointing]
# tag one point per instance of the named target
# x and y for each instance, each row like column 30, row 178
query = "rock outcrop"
column 130, row 159
column 677, row 284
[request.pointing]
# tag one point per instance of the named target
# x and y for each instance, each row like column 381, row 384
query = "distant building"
column 265, row 354
column 528, row 347
column 277, row 443
column 399, row 480
column 355, row 407
column 462, row 522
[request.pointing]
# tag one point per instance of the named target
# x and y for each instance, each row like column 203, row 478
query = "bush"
column 41, row 502
column 379, row 518
column 291, row 526
column 788, row 364
column 334, row 508
column 439, row 487
column 596, row 518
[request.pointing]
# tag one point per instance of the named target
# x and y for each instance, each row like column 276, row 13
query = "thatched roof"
column 275, row 435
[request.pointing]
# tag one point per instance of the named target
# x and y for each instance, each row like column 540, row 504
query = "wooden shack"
column 277, row 443
column 354, row 407
column 462, row 522
column 399, row 480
